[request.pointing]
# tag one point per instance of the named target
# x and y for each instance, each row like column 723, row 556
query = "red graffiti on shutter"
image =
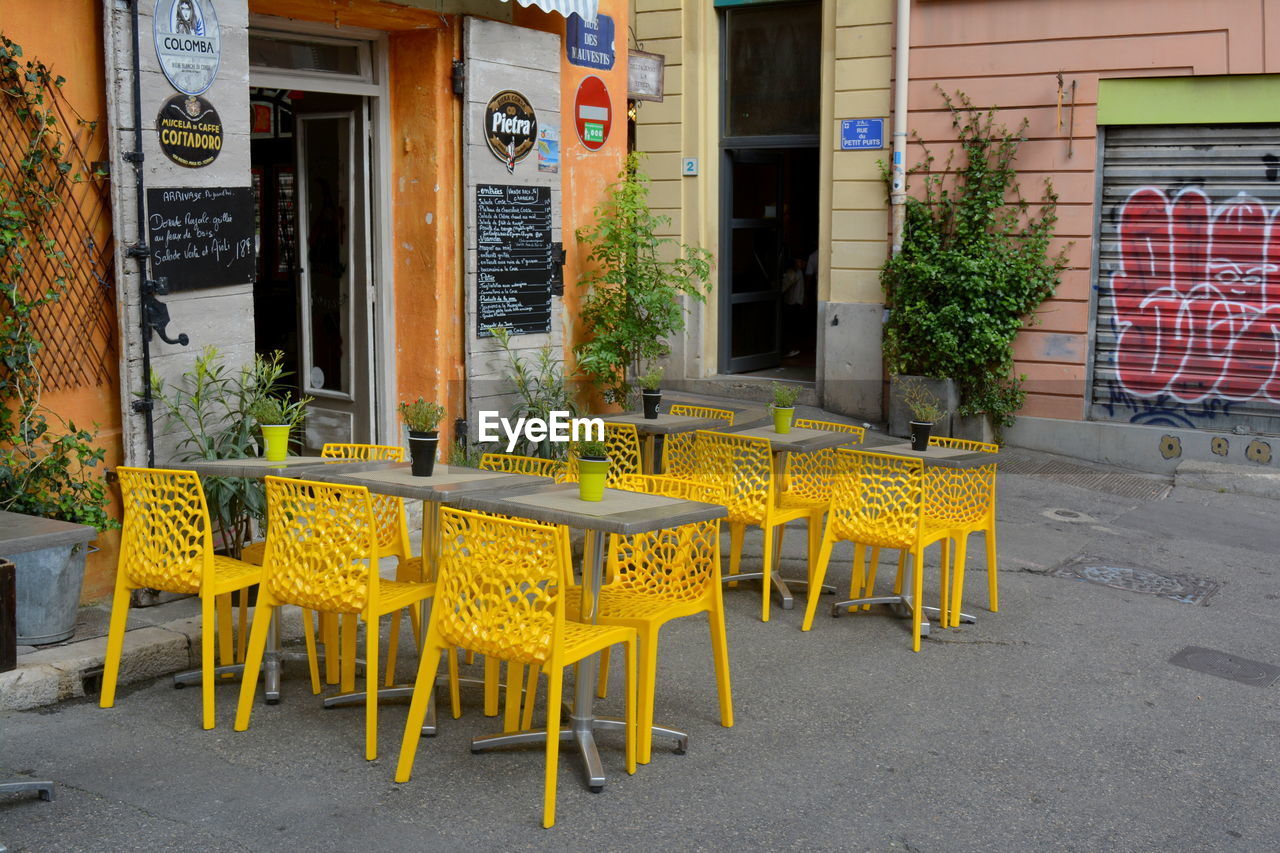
column 1197, row 298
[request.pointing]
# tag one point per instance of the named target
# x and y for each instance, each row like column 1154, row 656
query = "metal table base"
column 781, row 586
column 901, row 604
column 45, row 789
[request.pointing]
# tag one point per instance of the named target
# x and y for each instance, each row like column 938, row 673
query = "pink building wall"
column 1008, row 53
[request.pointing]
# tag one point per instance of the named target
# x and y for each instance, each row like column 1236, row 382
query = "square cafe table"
column 942, row 457
column 663, row 424
column 625, row 513
column 799, row 440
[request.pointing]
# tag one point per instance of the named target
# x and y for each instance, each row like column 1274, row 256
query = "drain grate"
column 1184, row 588
column 1223, row 665
column 1082, row 476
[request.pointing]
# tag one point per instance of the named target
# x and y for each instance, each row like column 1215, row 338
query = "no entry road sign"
column 592, row 113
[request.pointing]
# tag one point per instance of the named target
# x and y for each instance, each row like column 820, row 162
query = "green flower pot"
column 591, row 474
column 782, row 419
column 276, row 439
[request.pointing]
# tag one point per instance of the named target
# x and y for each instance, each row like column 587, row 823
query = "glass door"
column 333, row 275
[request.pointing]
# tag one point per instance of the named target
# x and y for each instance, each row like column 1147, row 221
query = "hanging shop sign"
column 510, row 127
column 592, row 113
column 645, row 75
column 589, row 43
column 188, row 43
column 201, row 236
column 190, row 131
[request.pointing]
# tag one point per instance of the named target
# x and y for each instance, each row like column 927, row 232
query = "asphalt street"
column 1057, row 724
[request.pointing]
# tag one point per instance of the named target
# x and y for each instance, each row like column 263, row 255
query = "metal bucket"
column 48, row 584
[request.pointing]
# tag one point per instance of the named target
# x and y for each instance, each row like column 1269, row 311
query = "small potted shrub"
column 422, row 419
column 925, row 412
column 784, row 406
column 593, row 465
column 651, row 392
column 277, row 417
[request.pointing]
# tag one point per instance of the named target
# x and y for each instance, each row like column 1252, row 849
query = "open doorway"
column 311, row 178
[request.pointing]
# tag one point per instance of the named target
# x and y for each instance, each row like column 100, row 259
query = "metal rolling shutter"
column 1187, row 327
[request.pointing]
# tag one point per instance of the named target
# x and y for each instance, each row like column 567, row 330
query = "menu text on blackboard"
column 201, row 236
column 513, row 259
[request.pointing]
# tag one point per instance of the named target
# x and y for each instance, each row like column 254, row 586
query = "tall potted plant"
column 423, row 419
column 651, row 392
column 635, row 286
column 276, row 417
column 925, row 411
column 784, row 406
column 593, row 469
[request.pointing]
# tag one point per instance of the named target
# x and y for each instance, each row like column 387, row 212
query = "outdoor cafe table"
column 942, row 457
column 380, row 477
column 625, row 513
column 663, row 424
column 799, row 440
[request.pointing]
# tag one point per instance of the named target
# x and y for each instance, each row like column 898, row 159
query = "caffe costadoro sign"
column 188, row 44
column 510, row 127
column 190, row 131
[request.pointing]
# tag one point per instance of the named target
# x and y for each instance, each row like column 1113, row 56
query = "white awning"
column 585, row 9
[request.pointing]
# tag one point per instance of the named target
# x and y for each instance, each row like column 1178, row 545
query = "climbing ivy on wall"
column 974, row 265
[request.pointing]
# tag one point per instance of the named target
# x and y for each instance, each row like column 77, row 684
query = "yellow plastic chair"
column 679, row 450
column 322, row 555
column 877, row 502
column 501, row 592
column 742, row 466
column 660, row 576
column 167, row 544
column 622, row 444
column 393, row 541
column 965, row 500
column 808, row 476
column 509, row 463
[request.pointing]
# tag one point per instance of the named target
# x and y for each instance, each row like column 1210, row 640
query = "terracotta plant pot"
column 651, row 399
column 422, row 452
column 782, row 419
column 920, row 435
column 591, row 476
column 275, row 438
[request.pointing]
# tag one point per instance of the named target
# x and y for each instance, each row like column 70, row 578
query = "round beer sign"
column 187, row 43
column 190, row 131
column 510, row 127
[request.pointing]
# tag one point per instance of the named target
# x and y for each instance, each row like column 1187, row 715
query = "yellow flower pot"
column 276, row 439
column 782, row 419
column 591, row 475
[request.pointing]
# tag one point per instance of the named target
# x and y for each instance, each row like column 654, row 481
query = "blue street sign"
column 857, row 133
column 590, row 44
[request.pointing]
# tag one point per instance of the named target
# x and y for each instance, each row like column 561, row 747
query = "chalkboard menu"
column 513, row 266
column 201, row 236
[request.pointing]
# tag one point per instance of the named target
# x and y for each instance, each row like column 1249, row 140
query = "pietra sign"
column 190, row 131
column 592, row 113
column 510, row 127
column 188, row 43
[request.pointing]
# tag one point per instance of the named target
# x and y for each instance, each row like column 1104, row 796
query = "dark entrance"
column 769, row 188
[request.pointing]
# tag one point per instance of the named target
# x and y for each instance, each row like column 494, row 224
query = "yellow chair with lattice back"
column 742, row 467
column 965, row 500
column 679, row 450
column 393, row 541
column 660, row 576
column 322, row 554
column 807, row 478
column 622, row 445
column 167, row 544
column 509, row 463
column 878, row 502
column 501, row 592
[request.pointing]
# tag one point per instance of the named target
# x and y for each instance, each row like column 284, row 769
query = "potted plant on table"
column 422, row 418
column 925, row 411
column 593, row 466
column 277, row 417
column 651, row 392
column 784, row 406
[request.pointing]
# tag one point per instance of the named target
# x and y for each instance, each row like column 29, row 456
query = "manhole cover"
column 1223, row 665
column 1184, row 588
column 1070, row 515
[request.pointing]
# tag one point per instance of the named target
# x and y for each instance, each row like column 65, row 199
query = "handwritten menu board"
column 513, row 266
column 202, row 236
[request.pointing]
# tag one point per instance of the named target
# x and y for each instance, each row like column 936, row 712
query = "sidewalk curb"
column 51, row 675
column 1221, row 477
